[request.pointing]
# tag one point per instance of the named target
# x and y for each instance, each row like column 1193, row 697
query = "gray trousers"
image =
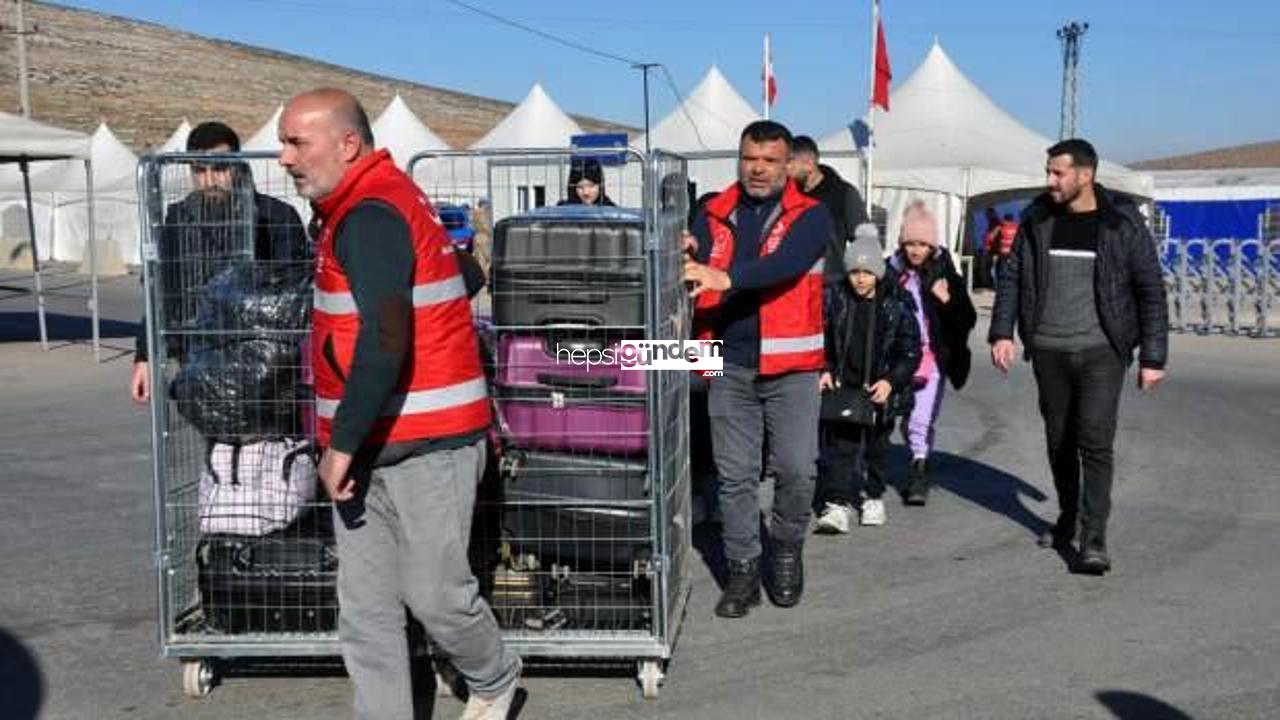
column 743, row 407
column 403, row 543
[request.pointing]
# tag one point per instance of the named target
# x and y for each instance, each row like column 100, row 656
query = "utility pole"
column 1070, row 36
column 21, row 31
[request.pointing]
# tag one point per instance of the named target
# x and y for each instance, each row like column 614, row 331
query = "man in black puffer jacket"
column 842, row 200
column 1083, row 288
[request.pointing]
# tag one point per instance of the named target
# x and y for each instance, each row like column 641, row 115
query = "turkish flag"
column 770, row 82
column 880, row 94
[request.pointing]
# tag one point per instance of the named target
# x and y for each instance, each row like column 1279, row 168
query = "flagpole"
column 764, row 76
column 871, row 103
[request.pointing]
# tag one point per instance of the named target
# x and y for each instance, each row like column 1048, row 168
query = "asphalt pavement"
column 948, row 611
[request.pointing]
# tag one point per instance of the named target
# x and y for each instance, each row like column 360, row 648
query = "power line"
column 546, row 35
column 635, row 64
column 680, row 103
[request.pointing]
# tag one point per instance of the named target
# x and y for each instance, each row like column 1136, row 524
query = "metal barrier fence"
column 1227, row 285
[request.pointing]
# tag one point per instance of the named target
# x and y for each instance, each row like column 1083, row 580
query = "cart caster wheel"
column 198, row 677
column 650, row 676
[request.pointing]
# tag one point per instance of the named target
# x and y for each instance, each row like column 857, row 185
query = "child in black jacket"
column 895, row 354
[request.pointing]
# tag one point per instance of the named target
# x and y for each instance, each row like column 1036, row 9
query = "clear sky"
column 1157, row 77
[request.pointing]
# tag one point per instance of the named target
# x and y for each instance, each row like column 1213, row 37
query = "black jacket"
column 895, row 353
column 199, row 238
column 1127, row 280
column 950, row 324
column 848, row 211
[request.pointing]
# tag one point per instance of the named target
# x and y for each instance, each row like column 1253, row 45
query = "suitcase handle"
column 597, row 382
column 584, row 298
column 305, row 557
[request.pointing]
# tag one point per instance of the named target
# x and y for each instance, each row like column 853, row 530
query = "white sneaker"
column 873, row 512
column 834, row 519
column 494, row 708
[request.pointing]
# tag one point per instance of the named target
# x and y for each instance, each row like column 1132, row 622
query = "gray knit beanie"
column 865, row 253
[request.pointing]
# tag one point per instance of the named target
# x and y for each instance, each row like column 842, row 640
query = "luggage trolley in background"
column 582, row 533
column 244, row 543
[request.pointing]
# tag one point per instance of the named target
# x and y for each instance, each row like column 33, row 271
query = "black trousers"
column 841, row 479
column 1079, row 401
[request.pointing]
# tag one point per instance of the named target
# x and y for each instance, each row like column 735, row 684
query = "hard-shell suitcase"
column 584, row 512
column 572, row 419
column 282, row 582
column 569, row 265
column 553, row 361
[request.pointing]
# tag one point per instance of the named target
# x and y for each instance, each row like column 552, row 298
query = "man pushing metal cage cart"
column 581, row 538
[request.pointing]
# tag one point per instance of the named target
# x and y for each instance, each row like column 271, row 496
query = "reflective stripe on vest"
column 432, row 293
column 778, row 346
column 420, row 401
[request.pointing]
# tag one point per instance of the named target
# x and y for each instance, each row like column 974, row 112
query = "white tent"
column 537, row 122
column 115, row 211
column 399, row 130
column 267, row 174
column 177, row 142
column 709, row 120
column 114, row 167
column 517, row 182
column 944, row 141
column 267, row 136
column 23, row 142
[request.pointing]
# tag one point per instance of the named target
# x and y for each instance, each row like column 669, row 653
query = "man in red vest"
column 402, row 411
column 757, row 265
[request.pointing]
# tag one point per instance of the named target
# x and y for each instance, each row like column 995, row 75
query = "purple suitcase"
column 530, row 361
column 573, row 419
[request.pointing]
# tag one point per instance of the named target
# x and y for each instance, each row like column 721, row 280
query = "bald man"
column 403, row 412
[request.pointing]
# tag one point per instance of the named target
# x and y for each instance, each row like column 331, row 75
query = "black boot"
column 1094, row 559
column 1060, row 535
column 918, row 486
column 742, row 591
column 786, row 574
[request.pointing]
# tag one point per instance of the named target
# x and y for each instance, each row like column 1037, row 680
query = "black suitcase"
column 584, row 512
column 282, row 582
column 569, row 265
column 599, row 602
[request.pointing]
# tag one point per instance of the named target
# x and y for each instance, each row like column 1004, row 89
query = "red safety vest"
column 1008, row 231
column 441, row 391
column 790, row 313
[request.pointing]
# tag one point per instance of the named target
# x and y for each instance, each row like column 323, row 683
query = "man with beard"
column 756, row 266
column 841, row 199
column 208, row 229
column 1082, row 284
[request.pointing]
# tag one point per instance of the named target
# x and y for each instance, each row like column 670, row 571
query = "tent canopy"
column 943, row 134
column 537, row 122
column 23, row 139
column 114, row 167
column 718, row 113
column 267, row 137
column 399, row 130
column 177, row 142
